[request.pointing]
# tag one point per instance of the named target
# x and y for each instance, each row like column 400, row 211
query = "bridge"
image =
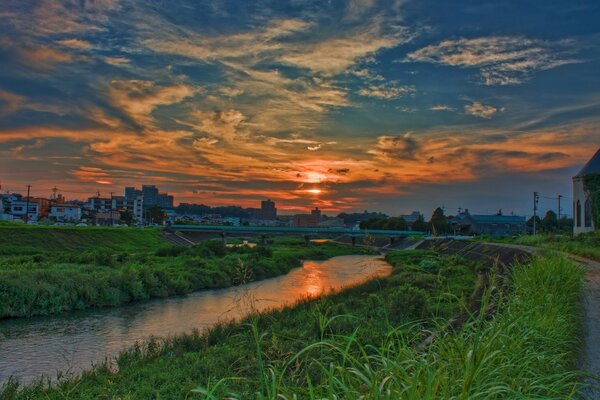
column 224, row 231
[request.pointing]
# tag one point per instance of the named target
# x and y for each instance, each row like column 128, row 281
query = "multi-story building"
column 65, row 212
column 165, row 200
column 150, row 193
column 412, row 218
column 306, row 221
column 268, row 210
column 118, row 203
column 99, row 204
column 18, row 209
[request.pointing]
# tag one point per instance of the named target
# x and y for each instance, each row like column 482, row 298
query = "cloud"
column 76, row 44
column 386, row 91
column 138, row 98
column 481, row 110
column 117, row 61
column 336, row 55
column 442, row 107
column 9, row 102
column 92, row 174
column 501, row 60
column 402, row 147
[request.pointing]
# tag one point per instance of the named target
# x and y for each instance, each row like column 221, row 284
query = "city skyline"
column 346, row 106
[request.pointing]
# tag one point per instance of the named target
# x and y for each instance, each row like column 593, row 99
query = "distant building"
column 332, row 223
column 165, row 200
column 18, row 210
column 118, row 203
column 583, row 219
column 65, row 212
column 306, row 221
column 233, row 221
column 268, row 210
column 131, row 193
column 99, row 204
column 150, row 193
column 107, row 218
column 494, row 225
column 412, row 218
column 316, row 213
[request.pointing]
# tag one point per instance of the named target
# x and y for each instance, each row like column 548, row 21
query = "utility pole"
column 535, row 201
column 558, row 215
column 27, row 206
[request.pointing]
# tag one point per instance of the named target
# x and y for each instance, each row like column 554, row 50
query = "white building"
column 583, row 220
column 136, row 206
column 17, row 209
column 65, row 212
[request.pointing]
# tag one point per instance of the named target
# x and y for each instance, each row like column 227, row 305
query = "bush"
column 408, row 301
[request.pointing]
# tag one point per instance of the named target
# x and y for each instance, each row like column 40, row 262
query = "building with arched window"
column 583, row 220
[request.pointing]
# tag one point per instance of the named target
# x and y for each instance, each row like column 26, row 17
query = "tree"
column 127, row 217
column 439, row 224
column 156, row 215
column 420, row 225
column 396, row 224
column 538, row 224
column 550, row 222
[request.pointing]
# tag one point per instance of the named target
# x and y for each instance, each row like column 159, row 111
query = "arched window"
column 578, row 213
column 587, row 213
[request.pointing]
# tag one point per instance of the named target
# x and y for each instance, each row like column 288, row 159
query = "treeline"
column 438, row 222
column 551, row 224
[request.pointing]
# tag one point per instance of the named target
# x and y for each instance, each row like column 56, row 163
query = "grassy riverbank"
column 584, row 245
column 423, row 286
column 365, row 342
column 57, row 270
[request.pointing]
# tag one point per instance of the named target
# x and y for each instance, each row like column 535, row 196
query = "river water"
column 30, row 348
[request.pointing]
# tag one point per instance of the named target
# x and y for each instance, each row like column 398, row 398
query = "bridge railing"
column 292, row 230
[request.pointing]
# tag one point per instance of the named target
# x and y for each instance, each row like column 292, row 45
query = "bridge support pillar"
column 224, row 237
column 263, row 239
column 353, row 240
column 392, row 240
column 306, row 240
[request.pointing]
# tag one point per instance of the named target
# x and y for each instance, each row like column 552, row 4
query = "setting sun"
column 314, row 191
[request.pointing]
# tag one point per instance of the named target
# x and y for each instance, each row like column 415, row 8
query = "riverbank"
column 585, row 245
column 423, row 285
column 368, row 340
column 48, row 270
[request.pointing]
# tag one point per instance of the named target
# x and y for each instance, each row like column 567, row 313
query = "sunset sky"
column 389, row 105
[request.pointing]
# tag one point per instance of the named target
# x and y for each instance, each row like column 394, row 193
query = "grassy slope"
column 369, row 312
column 585, row 245
column 22, row 239
column 63, row 269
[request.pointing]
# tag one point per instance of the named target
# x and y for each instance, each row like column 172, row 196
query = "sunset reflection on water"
column 30, row 348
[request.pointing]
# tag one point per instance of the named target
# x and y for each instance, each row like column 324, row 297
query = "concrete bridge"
column 200, row 232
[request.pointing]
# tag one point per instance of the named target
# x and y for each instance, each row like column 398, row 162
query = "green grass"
column 584, row 245
column 18, row 239
column 296, row 339
column 59, row 270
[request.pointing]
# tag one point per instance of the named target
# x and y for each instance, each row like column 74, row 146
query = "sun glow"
column 314, row 191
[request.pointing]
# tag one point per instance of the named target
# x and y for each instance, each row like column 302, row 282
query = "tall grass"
column 526, row 350
column 585, row 245
column 351, row 345
column 37, row 282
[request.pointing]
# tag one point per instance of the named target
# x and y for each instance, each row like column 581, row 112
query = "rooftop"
column 592, row 166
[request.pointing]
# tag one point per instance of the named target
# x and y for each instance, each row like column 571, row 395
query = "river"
column 70, row 343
